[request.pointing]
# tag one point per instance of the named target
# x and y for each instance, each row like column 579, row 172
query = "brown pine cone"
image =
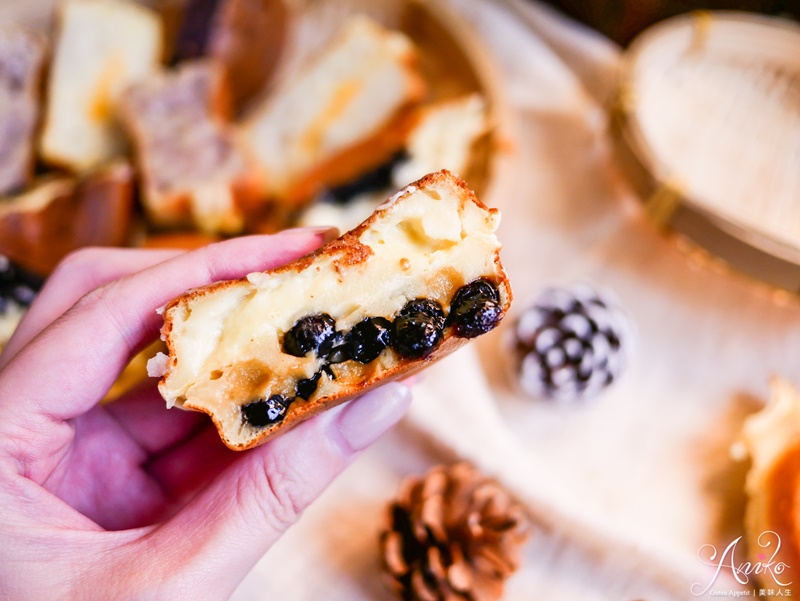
column 453, row 535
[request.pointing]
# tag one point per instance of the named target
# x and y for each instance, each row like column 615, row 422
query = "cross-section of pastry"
column 411, row 284
column 59, row 214
column 102, row 47
column 22, row 55
column 772, row 518
column 246, row 37
column 193, row 169
column 443, row 136
column 346, row 112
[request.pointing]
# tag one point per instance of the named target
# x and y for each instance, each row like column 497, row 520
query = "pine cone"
column 571, row 344
column 453, row 535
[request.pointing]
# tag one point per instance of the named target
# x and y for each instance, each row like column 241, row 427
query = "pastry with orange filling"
column 347, row 111
column 101, row 48
column 772, row 438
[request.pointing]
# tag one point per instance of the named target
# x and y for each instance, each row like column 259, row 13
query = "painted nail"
column 364, row 420
column 325, row 233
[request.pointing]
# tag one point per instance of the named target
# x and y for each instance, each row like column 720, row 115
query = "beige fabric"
column 628, row 487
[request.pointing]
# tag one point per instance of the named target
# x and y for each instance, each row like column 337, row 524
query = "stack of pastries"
column 130, row 123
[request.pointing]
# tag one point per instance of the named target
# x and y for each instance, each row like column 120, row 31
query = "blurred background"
column 621, row 21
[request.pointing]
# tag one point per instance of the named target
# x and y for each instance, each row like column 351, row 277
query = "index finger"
column 76, row 360
column 79, row 274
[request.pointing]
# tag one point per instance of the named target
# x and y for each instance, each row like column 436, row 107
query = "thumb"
column 226, row 529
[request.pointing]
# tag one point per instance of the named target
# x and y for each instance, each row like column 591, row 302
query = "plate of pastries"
column 176, row 123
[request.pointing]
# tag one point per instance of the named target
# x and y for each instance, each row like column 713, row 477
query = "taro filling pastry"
column 193, row 170
column 411, row 284
column 22, row 57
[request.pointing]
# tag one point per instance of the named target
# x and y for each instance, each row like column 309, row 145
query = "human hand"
column 131, row 500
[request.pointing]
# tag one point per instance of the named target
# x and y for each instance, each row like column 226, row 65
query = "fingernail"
column 325, row 233
column 364, row 420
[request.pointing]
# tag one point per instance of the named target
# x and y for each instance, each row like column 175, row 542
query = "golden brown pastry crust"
column 358, row 154
column 354, row 252
column 58, row 215
column 248, row 41
column 357, row 158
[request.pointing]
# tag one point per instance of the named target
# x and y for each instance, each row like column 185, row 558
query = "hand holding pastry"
column 411, row 284
column 87, row 488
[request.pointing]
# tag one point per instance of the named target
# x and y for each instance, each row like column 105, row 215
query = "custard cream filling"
column 228, row 343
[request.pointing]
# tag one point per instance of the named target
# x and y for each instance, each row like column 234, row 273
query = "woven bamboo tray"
column 707, row 126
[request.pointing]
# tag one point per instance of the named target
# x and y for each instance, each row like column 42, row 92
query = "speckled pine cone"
column 453, row 535
column 570, row 344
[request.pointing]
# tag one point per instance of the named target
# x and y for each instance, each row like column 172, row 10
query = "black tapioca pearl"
column 424, row 306
column 17, row 285
column 24, row 295
column 368, row 338
column 480, row 288
column 310, row 333
column 340, row 354
column 415, row 336
column 265, row 412
column 378, row 179
column 334, row 349
column 475, row 309
column 475, row 317
column 308, row 386
column 330, row 343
